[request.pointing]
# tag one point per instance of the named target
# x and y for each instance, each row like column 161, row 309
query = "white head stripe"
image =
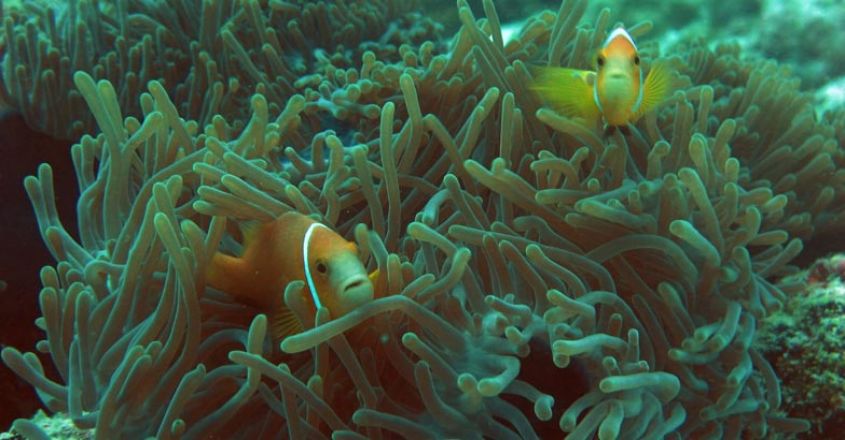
column 596, row 99
column 306, row 242
column 617, row 32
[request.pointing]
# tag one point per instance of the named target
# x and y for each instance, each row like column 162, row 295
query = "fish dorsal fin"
column 658, row 86
column 568, row 92
column 306, row 245
column 249, row 230
column 283, row 323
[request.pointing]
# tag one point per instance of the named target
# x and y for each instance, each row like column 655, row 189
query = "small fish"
column 616, row 91
column 293, row 247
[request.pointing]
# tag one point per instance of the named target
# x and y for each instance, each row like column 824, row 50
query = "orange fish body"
column 616, row 91
column 293, row 247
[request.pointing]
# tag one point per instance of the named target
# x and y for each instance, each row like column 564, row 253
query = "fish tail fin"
column 567, row 91
column 250, row 232
column 283, row 322
column 659, row 85
column 225, row 272
column 229, row 273
column 235, row 276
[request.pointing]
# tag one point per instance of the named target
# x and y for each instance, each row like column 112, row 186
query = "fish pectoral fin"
column 567, row 91
column 283, row 323
column 373, row 276
column 379, row 284
column 659, row 84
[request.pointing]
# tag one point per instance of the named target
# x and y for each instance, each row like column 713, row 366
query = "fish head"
column 619, row 59
column 618, row 73
column 334, row 272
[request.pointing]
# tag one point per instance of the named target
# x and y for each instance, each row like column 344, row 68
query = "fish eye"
column 637, row 60
column 600, row 61
column 321, row 267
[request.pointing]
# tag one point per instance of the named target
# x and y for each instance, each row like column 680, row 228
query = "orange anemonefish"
column 293, row 247
column 615, row 91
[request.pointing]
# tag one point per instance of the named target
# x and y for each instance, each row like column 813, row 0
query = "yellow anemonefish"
column 293, row 247
column 616, row 91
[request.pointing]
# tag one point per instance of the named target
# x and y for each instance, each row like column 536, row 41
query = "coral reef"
column 507, row 238
column 55, row 427
column 805, row 346
column 814, row 27
column 23, row 255
column 831, row 96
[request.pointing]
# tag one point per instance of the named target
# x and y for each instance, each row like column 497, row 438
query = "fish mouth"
column 354, row 291
column 355, row 283
column 350, row 285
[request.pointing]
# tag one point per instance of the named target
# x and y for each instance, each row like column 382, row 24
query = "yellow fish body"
column 293, row 247
column 615, row 91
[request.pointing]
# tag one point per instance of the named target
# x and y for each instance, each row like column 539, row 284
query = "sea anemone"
column 516, row 248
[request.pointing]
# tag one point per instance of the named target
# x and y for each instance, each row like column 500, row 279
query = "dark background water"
column 23, row 252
